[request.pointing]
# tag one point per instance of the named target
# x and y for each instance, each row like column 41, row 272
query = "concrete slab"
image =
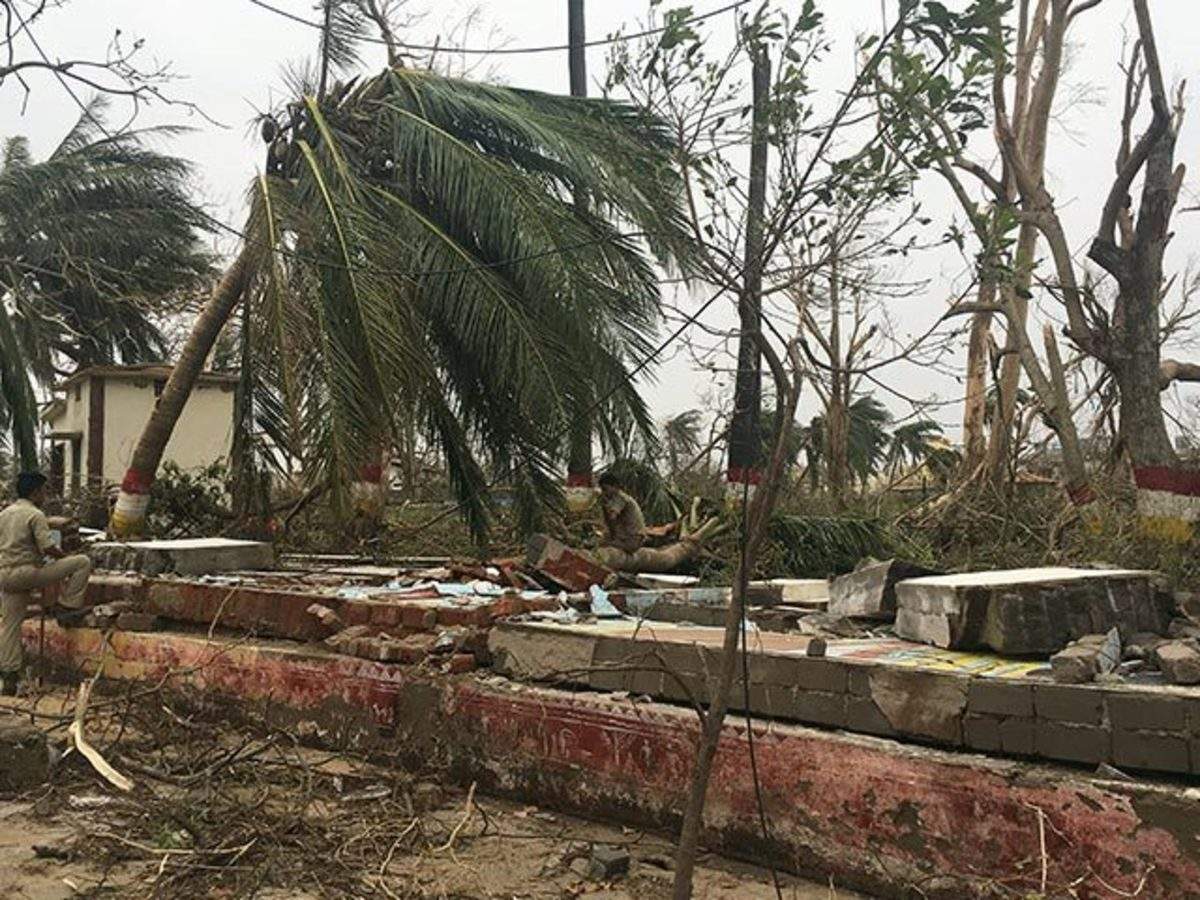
column 193, row 556
column 1028, row 611
column 869, row 592
column 788, row 590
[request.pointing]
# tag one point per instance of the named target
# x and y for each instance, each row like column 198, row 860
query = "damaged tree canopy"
column 414, row 256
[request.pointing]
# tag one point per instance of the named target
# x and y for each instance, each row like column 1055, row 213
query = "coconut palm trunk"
column 17, row 394
column 129, row 515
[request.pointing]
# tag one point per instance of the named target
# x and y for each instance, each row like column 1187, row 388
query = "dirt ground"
column 219, row 810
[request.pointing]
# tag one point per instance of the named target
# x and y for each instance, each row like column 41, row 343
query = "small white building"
column 94, row 424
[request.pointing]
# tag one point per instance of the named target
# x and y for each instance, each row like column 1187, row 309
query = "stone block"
column 1000, row 697
column 864, row 716
column 1158, row 751
column 1073, row 743
column 541, row 654
column 1082, row 660
column 1018, row 735
column 1142, row 710
column 982, row 732
column 24, row 757
column 810, row 707
column 788, row 590
column 189, row 556
column 1024, row 612
column 921, row 704
column 1063, row 703
column 869, row 592
column 1179, row 661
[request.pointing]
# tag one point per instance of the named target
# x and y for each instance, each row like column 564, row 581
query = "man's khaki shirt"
column 626, row 525
column 24, row 535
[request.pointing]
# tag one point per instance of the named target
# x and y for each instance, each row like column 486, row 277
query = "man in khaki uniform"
column 623, row 519
column 25, row 546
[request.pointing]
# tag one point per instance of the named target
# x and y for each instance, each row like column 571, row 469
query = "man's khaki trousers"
column 16, row 583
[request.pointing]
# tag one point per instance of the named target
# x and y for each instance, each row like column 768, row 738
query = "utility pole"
column 745, row 468
column 326, row 27
column 579, row 451
column 745, row 430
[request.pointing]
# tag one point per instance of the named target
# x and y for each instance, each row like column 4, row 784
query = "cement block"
column 921, row 704
column 1063, row 703
column 1134, row 711
column 1025, row 612
column 787, row 590
column 869, row 591
column 1179, row 661
column 864, row 716
column 1073, row 743
column 542, row 654
column 191, row 556
column 1150, row 750
column 1000, row 697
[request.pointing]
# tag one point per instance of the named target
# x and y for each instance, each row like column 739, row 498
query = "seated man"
column 25, row 545
column 623, row 518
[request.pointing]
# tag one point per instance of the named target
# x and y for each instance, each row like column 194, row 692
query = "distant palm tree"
column 912, row 443
column 867, row 440
column 92, row 239
column 681, row 438
column 415, row 245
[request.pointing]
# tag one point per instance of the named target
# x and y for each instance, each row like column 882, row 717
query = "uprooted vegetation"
column 249, row 808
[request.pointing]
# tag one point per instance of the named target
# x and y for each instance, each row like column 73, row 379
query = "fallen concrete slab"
column 1028, row 611
column 871, row 814
column 869, row 592
column 193, row 556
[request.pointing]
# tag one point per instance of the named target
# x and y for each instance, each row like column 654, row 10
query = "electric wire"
column 509, row 51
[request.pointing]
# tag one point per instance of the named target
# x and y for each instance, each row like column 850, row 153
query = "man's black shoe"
column 9, row 682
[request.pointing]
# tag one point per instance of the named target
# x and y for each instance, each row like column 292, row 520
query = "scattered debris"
column 1082, row 660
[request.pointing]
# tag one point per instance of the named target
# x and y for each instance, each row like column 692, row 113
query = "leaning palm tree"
column 913, row 443
column 415, row 244
column 92, row 239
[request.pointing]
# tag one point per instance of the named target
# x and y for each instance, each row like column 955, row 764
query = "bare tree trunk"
column 975, row 393
column 999, row 446
column 129, row 515
column 744, row 460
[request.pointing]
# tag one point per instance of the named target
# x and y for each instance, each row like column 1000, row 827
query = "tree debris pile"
column 246, row 809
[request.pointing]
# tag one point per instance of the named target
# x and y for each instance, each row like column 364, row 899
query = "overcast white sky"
column 229, row 53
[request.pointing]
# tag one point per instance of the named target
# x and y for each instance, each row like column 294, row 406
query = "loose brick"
column 981, row 732
column 1062, row 703
column 1072, row 742
column 462, row 615
column 461, row 662
column 1000, row 697
column 1145, row 711
column 863, row 715
column 1150, row 750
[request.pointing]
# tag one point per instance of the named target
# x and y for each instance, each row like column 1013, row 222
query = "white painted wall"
column 203, row 434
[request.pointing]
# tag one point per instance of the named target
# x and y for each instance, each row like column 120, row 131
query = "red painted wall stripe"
column 1166, row 478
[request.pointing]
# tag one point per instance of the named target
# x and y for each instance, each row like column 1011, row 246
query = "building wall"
column 74, row 418
column 203, row 434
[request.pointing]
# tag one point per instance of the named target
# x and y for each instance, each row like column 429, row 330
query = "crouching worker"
column 30, row 560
